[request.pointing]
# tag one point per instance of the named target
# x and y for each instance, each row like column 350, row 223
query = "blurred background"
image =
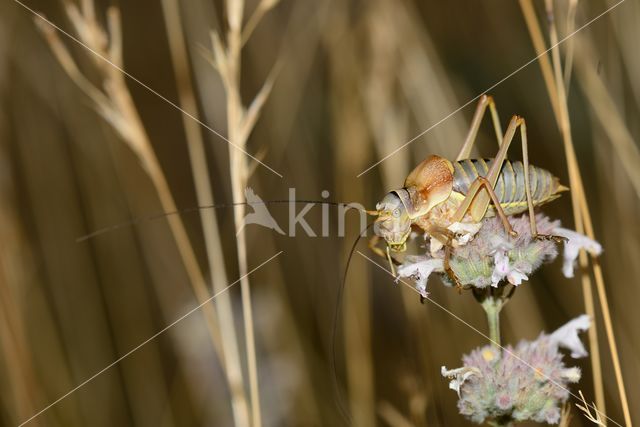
column 355, row 81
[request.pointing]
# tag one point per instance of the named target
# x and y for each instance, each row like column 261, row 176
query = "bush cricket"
column 447, row 200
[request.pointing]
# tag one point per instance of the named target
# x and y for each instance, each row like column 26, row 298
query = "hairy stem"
column 500, row 423
column 492, row 307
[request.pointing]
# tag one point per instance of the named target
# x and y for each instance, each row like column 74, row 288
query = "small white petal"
column 420, row 272
column 567, row 336
column 466, row 228
column 515, row 277
column 572, row 374
column 501, row 268
column 434, row 246
column 576, row 241
column 459, row 376
column 467, row 231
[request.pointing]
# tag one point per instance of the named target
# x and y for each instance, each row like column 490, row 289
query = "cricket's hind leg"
column 527, row 178
column 477, row 201
column 485, row 101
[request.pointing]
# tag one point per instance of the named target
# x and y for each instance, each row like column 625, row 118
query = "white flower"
column 420, row 272
column 515, row 277
column 572, row 246
column 434, row 246
column 567, row 336
column 502, row 269
column 465, row 232
column 459, row 375
column 572, row 375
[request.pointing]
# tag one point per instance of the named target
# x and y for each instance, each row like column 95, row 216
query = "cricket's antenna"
column 334, row 331
column 136, row 221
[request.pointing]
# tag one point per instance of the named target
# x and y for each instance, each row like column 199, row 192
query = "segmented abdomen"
column 510, row 188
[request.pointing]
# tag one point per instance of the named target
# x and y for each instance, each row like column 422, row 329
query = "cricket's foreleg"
column 485, row 101
column 447, row 268
column 446, row 237
column 373, row 245
column 392, row 267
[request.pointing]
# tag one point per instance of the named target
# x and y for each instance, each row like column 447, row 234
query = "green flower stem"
column 492, row 306
column 500, row 423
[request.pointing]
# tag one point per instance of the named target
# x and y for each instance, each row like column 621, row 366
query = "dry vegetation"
column 318, row 91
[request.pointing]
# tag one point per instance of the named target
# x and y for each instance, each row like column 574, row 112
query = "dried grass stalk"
column 117, row 107
column 392, row 416
column 204, row 194
column 583, row 223
column 578, row 187
column 586, row 408
column 608, row 114
column 240, row 123
column 350, row 140
column 540, row 46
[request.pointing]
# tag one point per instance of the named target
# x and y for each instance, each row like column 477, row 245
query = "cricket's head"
column 428, row 185
column 394, row 222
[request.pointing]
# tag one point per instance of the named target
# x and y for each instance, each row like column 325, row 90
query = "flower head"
column 525, row 382
column 487, row 255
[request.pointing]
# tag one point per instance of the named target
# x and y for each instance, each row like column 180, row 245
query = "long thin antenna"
column 334, row 332
column 161, row 215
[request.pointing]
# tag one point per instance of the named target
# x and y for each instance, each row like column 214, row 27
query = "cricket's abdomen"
column 510, row 188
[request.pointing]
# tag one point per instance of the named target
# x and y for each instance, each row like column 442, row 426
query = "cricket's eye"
column 396, row 213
